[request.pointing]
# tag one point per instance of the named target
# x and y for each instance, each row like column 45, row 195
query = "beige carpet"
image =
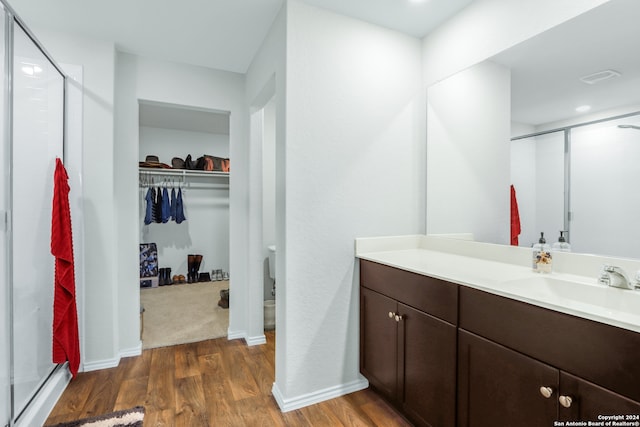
column 180, row 314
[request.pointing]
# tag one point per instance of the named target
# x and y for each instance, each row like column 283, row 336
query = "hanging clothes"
column 66, row 343
column 515, row 218
column 165, row 206
column 179, row 208
column 150, row 197
column 157, row 206
column 174, row 200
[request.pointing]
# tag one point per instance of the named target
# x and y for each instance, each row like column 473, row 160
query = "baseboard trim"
column 133, row 351
column 290, row 404
column 101, row 364
column 235, row 335
column 238, row 335
column 112, row 363
column 257, row 340
column 41, row 406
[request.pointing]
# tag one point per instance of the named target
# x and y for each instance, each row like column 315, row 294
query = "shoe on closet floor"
column 224, row 298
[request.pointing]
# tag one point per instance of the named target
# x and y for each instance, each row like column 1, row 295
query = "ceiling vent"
column 600, row 76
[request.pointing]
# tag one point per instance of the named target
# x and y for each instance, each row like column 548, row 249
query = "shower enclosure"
column 581, row 179
column 32, row 123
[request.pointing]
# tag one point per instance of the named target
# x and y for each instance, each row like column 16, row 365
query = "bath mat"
column 127, row 418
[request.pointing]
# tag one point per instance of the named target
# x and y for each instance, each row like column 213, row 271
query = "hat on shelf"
column 152, row 161
column 178, row 163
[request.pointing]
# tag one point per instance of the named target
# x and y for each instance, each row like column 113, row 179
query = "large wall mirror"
column 572, row 169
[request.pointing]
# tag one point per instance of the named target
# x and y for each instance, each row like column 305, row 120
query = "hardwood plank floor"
column 210, row 383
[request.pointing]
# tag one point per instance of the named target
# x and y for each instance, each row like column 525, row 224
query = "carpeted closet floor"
column 180, row 314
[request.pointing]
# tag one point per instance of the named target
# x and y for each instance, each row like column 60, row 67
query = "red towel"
column 66, row 345
column 515, row 218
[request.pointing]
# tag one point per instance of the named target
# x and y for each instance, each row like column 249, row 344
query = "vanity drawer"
column 600, row 353
column 433, row 296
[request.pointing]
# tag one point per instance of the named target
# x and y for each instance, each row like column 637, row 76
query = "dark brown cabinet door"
column 378, row 342
column 427, row 368
column 589, row 401
column 498, row 386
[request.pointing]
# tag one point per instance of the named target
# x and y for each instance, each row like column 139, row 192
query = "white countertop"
column 566, row 292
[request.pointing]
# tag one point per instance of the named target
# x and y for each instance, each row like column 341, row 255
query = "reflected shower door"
column 38, row 113
column 5, row 336
column 605, row 195
column 537, row 173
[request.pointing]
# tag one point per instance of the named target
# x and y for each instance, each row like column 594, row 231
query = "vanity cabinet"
column 520, row 364
column 408, row 342
column 450, row 355
column 498, row 386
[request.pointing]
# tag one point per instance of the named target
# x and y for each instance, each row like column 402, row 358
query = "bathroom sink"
column 559, row 291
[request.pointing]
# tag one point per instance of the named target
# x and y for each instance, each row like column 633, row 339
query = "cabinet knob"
column 546, row 391
column 391, row 315
column 565, row 401
column 398, row 317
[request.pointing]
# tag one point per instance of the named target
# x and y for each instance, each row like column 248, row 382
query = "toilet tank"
column 272, row 261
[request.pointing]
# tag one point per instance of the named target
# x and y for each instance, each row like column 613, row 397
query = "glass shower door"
column 38, row 113
column 5, row 335
column 537, row 174
column 605, row 201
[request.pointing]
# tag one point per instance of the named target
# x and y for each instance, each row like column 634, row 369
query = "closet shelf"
column 184, row 173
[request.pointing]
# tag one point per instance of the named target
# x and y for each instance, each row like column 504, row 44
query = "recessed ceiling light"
column 583, row 108
column 417, row 1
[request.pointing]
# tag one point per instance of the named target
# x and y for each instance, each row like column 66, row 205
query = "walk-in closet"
column 184, row 223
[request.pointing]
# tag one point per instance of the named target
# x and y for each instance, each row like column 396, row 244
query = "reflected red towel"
column 66, row 345
column 515, row 218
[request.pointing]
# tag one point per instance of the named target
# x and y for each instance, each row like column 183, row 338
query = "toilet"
column 272, row 261
column 270, row 304
column 269, row 314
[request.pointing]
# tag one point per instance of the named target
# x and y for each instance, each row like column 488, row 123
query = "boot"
column 191, row 260
column 224, row 298
column 167, row 276
column 196, row 267
column 161, row 280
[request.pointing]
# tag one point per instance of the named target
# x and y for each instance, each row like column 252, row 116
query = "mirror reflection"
column 572, row 168
column 580, row 180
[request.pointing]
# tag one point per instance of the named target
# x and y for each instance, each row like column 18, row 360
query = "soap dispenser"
column 542, row 259
column 561, row 245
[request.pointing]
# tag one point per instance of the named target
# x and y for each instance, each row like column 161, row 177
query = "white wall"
column 355, row 167
column 549, row 177
column 170, row 143
column 206, row 202
column 468, row 149
column 268, row 189
column 523, row 173
column 266, row 80
column 100, row 305
column 146, row 79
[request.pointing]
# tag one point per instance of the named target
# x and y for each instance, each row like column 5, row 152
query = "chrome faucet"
column 615, row 277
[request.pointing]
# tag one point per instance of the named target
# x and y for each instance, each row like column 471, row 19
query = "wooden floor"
column 210, row 383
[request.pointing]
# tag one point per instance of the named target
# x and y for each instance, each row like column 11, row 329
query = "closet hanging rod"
column 186, row 186
column 183, row 172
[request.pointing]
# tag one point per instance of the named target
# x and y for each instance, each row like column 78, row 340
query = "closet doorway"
column 184, row 223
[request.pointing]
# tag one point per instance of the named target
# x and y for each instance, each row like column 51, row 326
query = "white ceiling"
column 221, row 34
column 546, row 70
